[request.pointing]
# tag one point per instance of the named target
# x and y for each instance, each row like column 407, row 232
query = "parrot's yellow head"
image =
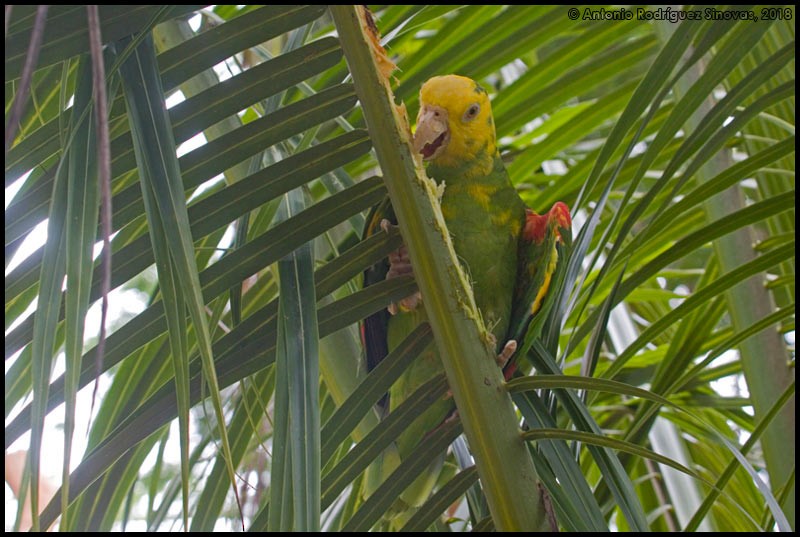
column 455, row 125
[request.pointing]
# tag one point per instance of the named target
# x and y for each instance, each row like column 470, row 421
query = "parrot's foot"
column 409, row 303
column 508, row 351
column 400, row 265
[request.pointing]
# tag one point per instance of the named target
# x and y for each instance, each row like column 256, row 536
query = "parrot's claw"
column 386, row 225
column 400, row 265
column 508, row 351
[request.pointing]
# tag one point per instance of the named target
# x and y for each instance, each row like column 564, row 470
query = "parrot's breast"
column 484, row 221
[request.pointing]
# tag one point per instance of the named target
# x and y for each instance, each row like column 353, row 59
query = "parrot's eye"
column 472, row 112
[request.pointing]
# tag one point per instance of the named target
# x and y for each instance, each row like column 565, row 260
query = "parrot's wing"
column 374, row 328
column 544, row 242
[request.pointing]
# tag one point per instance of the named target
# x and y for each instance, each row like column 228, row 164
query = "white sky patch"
column 224, row 243
column 198, row 140
column 205, row 186
column 194, row 22
column 18, row 321
column 639, row 149
column 679, row 290
column 172, row 451
column 511, row 72
column 122, row 303
column 98, row 246
column 223, row 71
column 33, row 241
column 175, row 99
column 13, row 188
column 732, row 385
column 554, row 167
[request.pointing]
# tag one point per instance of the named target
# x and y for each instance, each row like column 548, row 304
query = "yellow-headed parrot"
column 509, row 252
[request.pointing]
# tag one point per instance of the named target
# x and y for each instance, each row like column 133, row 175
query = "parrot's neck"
column 479, row 168
column 491, row 191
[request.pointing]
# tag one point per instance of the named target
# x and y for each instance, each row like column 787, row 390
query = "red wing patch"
column 536, row 225
column 560, row 212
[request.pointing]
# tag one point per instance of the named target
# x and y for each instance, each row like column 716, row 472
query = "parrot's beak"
column 432, row 133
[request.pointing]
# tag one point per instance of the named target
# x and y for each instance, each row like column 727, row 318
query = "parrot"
column 509, row 253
